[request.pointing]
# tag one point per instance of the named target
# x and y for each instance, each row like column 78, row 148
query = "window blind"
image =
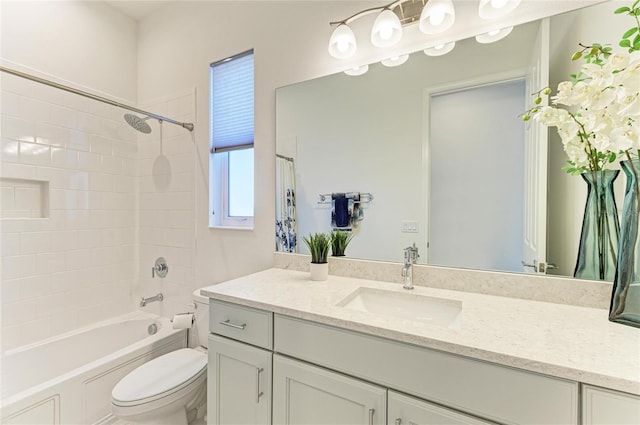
column 232, row 103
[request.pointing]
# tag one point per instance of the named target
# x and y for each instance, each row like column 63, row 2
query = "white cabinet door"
column 405, row 410
column 606, row 407
column 239, row 383
column 305, row 394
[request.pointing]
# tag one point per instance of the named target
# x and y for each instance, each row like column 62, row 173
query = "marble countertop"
column 576, row 343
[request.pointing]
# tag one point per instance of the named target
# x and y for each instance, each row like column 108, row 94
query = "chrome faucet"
column 157, row 297
column 410, row 257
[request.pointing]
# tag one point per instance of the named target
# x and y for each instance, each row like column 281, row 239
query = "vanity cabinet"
column 239, row 371
column 605, row 407
column 306, row 394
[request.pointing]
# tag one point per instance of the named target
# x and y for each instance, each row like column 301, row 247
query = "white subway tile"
column 110, row 128
column 19, row 171
column 10, row 103
column 10, row 244
column 112, row 164
column 90, row 238
column 35, row 242
column 88, row 123
column 58, row 178
column 83, row 200
column 101, row 182
column 65, row 117
column 102, row 110
column 78, row 140
column 35, row 286
column 17, row 129
column 11, row 291
column 63, row 199
column 64, row 321
column 64, row 240
column 14, row 267
column 78, row 259
column 66, row 281
column 17, row 313
column 34, row 110
column 64, row 158
column 35, row 154
column 100, row 145
column 51, row 262
column 79, row 219
column 51, row 135
column 10, row 150
column 124, row 149
column 89, row 161
column 79, row 180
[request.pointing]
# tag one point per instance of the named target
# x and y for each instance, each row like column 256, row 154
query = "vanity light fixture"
column 395, row 60
column 358, row 70
column 440, row 49
column 434, row 16
column 493, row 36
column 493, row 9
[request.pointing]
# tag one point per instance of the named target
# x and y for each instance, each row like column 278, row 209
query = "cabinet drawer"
column 241, row 323
column 604, row 407
column 490, row 391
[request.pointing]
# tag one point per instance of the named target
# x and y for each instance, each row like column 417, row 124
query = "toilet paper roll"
column 182, row 321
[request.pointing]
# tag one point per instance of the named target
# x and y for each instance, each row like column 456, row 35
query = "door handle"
column 371, row 412
column 258, row 392
column 233, row 325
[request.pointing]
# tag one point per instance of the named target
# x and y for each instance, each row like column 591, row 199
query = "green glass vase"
column 598, row 249
column 625, row 298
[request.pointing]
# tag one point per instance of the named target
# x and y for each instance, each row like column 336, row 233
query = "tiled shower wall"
column 73, row 159
column 166, row 207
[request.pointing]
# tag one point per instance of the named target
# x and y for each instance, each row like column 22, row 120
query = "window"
column 231, row 165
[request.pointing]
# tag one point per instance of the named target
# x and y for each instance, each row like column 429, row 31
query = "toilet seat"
column 161, row 377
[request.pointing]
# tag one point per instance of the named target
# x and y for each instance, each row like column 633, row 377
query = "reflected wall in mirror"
column 375, row 133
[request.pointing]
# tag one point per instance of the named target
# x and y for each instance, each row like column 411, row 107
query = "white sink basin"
column 436, row 311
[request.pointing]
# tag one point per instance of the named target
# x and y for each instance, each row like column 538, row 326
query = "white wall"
column 77, row 265
column 568, row 194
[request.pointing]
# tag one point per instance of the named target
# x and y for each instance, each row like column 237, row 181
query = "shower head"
column 138, row 123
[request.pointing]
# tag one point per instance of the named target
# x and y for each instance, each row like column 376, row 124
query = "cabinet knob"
column 398, row 421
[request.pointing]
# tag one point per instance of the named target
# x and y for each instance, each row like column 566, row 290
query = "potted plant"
column 318, row 244
column 339, row 241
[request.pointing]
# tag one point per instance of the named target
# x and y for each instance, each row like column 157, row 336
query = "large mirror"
column 434, row 153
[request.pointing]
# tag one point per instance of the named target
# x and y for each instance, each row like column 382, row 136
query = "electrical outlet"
column 409, row 226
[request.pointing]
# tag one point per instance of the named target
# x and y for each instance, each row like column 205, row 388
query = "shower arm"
column 189, row 126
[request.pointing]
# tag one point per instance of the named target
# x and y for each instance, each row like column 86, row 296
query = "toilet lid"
column 161, row 375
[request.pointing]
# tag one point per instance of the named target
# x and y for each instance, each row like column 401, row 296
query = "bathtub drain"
column 152, row 329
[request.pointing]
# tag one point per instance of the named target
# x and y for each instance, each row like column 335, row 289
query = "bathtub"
column 68, row 379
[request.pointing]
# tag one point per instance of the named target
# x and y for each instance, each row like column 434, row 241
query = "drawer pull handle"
column 233, row 325
column 371, row 412
column 258, row 392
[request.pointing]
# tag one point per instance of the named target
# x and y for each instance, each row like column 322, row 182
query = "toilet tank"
column 200, row 331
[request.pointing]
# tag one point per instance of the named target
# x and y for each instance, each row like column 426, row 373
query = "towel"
column 341, row 210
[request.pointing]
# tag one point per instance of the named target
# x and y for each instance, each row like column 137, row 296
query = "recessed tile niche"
column 22, row 198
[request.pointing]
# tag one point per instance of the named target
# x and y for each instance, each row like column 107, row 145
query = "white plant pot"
column 319, row 271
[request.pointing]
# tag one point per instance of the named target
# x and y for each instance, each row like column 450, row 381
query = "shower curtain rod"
column 187, row 125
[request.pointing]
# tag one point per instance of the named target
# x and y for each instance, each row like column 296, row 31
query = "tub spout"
column 157, row 297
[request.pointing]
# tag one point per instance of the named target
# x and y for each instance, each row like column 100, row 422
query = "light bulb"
column 439, row 47
column 385, row 33
column 498, row 4
column 342, row 45
column 494, row 32
column 437, row 17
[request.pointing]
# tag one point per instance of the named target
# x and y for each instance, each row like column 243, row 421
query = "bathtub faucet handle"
column 160, row 268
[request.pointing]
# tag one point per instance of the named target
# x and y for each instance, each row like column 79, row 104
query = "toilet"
column 170, row 389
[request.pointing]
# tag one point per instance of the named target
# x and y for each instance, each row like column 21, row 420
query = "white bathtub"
column 68, row 379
